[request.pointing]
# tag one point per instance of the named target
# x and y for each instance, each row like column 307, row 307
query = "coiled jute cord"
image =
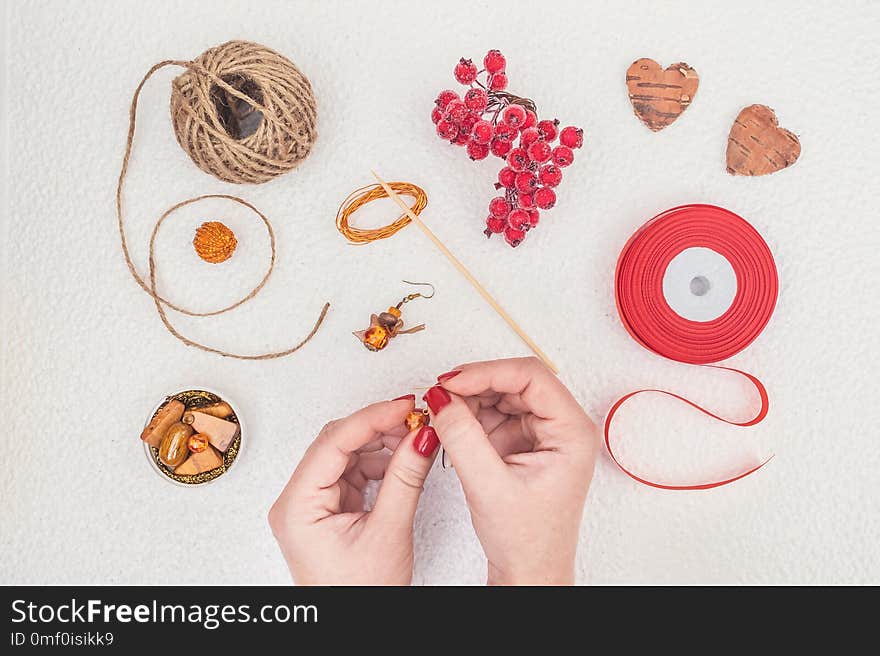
column 244, row 114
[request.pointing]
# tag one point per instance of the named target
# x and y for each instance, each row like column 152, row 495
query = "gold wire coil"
column 360, row 197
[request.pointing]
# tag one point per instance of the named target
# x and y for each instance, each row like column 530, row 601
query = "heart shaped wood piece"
column 660, row 96
column 757, row 145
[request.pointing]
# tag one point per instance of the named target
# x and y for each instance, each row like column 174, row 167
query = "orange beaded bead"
column 214, row 242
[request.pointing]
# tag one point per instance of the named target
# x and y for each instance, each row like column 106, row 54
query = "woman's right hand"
column 524, row 451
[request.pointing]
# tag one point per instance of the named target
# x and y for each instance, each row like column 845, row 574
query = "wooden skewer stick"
column 468, row 275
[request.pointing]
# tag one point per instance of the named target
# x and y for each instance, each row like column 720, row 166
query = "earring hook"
column 425, row 284
column 411, row 297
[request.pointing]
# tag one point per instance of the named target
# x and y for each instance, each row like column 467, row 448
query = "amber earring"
column 387, row 325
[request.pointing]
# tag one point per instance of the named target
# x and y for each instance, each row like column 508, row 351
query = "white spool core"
column 699, row 284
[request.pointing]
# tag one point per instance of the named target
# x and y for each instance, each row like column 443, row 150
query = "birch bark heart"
column 660, row 96
column 757, row 145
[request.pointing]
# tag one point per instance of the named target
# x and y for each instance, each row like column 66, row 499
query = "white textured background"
column 85, row 357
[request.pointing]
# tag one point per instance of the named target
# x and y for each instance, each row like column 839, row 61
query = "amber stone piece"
column 173, row 449
column 376, row 338
column 416, row 419
column 197, row 443
column 200, row 462
column 169, row 414
column 214, row 242
column 221, row 410
column 219, row 432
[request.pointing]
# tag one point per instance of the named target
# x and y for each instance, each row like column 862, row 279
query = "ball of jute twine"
column 254, row 79
column 223, row 79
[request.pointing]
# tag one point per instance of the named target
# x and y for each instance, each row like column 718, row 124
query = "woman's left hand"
column 319, row 520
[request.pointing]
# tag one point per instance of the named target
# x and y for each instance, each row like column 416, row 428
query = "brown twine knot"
column 244, row 113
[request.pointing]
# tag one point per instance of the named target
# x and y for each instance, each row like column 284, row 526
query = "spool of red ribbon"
column 642, row 290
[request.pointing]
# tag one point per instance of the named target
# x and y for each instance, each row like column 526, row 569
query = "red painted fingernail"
column 426, row 442
column 437, row 398
column 442, row 378
column 408, row 397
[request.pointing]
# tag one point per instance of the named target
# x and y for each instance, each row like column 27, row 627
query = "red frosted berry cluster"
column 488, row 119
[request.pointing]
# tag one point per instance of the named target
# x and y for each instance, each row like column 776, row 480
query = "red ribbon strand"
column 652, row 323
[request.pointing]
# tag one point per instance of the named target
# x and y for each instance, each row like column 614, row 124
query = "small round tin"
column 193, row 399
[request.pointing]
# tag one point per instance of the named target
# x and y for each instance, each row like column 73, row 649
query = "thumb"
column 405, row 477
column 475, row 459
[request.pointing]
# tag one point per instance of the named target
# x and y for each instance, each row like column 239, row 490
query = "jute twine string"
column 280, row 142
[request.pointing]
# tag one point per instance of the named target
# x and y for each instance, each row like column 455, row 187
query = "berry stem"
column 498, row 100
column 507, row 98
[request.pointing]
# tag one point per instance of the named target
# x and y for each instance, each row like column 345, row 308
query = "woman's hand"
column 524, row 451
column 319, row 520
